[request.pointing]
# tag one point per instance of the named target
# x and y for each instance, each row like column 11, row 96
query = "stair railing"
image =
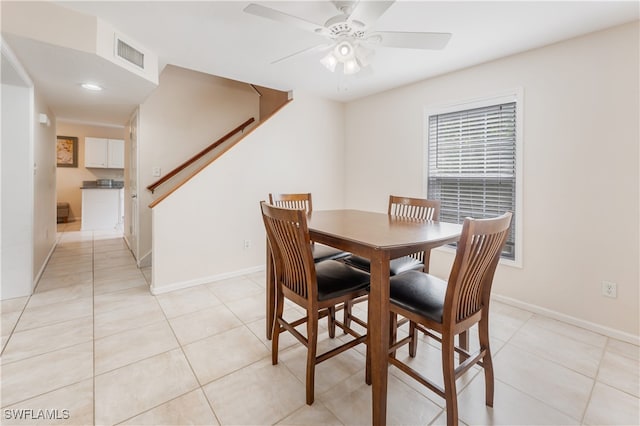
column 199, row 155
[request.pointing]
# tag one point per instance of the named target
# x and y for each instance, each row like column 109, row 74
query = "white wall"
column 43, row 21
column 299, row 149
column 28, row 228
column 17, row 192
column 186, row 113
column 44, row 186
column 581, row 168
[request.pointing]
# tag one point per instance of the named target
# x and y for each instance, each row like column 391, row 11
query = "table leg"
column 270, row 293
column 426, row 260
column 378, row 329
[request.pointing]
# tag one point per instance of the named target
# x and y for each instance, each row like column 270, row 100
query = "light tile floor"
column 93, row 346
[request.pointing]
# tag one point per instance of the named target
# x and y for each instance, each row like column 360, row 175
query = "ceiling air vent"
column 129, row 53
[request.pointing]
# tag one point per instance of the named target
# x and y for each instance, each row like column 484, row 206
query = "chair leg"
column 367, row 369
column 483, row 330
column 393, row 331
column 271, row 294
column 463, row 342
column 274, row 343
column 312, row 344
column 331, row 318
column 413, row 345
column 347, row 314
column 275, row 337
column 448, row 372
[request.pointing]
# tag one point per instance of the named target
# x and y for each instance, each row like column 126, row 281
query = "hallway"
column 93, row 346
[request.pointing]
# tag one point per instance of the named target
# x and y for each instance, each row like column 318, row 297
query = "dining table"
column 378, row 237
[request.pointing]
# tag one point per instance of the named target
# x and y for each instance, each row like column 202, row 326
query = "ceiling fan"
column 350, row 36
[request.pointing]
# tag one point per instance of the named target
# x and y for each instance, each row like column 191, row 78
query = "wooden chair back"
column 292, row 201
column 288, row 237
column 471, row 277
column 414, row 208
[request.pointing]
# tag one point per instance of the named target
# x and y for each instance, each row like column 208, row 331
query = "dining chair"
column 409, row 209
column 303, row 201
column 316, row 287
column 320, row 252
column 450, row 308
column 406, row 208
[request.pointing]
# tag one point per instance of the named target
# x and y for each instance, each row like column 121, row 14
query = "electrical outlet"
column 609, row 289
column 247, row 244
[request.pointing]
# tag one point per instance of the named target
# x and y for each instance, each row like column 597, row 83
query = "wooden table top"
column 379, row 231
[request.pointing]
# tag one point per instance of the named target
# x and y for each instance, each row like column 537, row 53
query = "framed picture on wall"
column 67, row 151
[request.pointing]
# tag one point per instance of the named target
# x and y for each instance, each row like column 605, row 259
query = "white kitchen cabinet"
column 95, row 152
column 104, row 153
column 101, row 209
column 115, row 154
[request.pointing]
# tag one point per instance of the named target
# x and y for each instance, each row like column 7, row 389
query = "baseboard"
column 145, row 261
column 127, row 242
column 36, row 279
column 596, row 328
column 204, row 280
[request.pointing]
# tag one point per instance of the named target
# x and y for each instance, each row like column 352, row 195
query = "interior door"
column 131, row 227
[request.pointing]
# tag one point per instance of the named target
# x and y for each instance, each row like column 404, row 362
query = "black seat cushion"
column 420, row 293
column 337, row 279
column 322, row 253
column 396, row 266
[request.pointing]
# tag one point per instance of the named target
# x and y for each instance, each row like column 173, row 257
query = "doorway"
column 131, row 194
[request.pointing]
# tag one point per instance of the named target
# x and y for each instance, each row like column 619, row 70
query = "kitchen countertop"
column 91, row 184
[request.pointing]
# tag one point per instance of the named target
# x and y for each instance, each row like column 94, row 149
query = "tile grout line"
column 184, row 354
column 12, row 332
column 181, row 346
column 13, row 329
column 49, row 351
column 545, row 403
column 595, row 381
column 35, row 288
column 93, row 315
column 542, row 402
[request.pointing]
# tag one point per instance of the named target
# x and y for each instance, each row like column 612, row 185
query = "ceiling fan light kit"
column 351, row 55
column 350, row 29
column 329, row 61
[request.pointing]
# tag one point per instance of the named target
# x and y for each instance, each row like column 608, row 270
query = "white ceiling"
column 219, row 38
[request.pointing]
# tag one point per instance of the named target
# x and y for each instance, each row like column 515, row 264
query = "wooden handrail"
column 199, row 155
column 218, row 154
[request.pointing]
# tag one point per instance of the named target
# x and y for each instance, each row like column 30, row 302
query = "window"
column 471, row 157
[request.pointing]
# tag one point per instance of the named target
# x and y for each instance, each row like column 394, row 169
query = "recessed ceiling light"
column 91, row 86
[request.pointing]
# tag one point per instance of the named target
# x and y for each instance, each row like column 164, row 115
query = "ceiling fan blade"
column 368, row 12
column 276, row 15
column 408, row 40
column 317, row 48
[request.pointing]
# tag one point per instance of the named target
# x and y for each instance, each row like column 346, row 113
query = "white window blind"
column 472, row 164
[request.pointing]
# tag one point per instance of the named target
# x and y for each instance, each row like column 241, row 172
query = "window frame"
column 514, row 95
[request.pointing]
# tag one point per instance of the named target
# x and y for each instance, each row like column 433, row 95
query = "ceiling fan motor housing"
column 341, row 26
